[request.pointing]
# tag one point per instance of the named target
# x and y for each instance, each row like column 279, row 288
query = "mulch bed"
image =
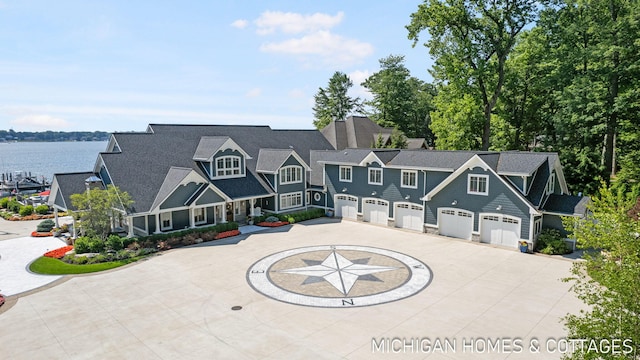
column 41, row 234
column 226, row 234
column 273, row 224
column 58, row 253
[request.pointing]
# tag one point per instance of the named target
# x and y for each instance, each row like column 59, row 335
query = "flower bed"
column 15, row 217
column 58, row 253
column 41, row 234
column 273, row 224
column 226, row 234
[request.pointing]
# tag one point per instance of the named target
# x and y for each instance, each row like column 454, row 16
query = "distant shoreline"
column 8, row 136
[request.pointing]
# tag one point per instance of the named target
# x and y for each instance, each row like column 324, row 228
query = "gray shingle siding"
column 434, row 178
column 152, row 223
column 499, row 195
column 517, row 181
column 554, row 222
column 209, row 197
column 180, row 219
column 104, row 175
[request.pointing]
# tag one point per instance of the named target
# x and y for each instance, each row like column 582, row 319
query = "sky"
column 119, row 65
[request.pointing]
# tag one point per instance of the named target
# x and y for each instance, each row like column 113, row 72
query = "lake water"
column 48, row 158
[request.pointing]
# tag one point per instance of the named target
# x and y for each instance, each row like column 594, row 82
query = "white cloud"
column 294, row 23
column 240, row 23
column 331, row 48
column 255, row 92
column 358, row 77
column 40, row 122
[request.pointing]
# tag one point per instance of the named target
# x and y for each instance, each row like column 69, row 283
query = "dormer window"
column 290, row 175
column 550, row 188
column 228, row 166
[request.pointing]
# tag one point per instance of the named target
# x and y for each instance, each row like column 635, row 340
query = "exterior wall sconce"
column 499, row 207
column 374, row 193
column 344, row 189
column 454, row 202
column 407, row 197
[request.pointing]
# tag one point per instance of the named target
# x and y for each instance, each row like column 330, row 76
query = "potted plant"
column 524, row 246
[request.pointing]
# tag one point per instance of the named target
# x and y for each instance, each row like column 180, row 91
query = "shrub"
column 45, row 226
column 273, row 219
column 4, row 202
column 85, row 244
column 550, row 242
column 42, row 209
column 114, row 242
column 14, row 206
column 26, row 210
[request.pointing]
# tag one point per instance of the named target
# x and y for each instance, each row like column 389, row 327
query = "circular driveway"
column 178, row 305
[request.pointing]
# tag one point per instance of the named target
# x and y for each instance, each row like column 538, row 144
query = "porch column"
column 253, row 206
column 224, row 212
column 157, row 224
column 130, row 223
column 191, row 222
column 55, row 215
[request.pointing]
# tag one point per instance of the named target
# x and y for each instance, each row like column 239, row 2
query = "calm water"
column 48, row 158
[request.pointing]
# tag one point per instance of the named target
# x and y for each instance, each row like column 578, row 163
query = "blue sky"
column 119, row 65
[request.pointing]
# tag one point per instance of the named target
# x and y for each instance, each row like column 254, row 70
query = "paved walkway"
column 15, row 257
column 179, row 305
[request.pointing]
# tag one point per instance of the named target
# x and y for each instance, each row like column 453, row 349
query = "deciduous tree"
column 98, row 208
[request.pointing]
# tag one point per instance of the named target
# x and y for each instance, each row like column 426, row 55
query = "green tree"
column 333, row 103
column 607, row 281
column 98, row 208
column 470, row 42
column 454, row 118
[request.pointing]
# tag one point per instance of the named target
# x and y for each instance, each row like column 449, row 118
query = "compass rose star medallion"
column 338, row 276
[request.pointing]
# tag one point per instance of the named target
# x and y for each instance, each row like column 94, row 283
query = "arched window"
column 290, row 175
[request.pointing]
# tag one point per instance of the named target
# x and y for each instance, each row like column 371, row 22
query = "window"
column 375, row 176
column 409, row 179
column 537, row 227
column 478, row 185
column 199, row 215
column 345, row 173
column 228, row 166
column 308, row 198
column 290, row 175
column 551, row 184
column 238, row 206
column 165, row 221
column 290, row 200
column 316, row 197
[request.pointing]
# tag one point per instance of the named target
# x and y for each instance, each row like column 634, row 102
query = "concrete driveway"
column 178, row 306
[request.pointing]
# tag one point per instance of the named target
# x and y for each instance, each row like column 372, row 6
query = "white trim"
column 307, row 197
column 350, row 168
column 501, row 217
column 371, row 158
column 295, row 156
column 213, row 188
column 240, row 168
column 478, row 176
column 369, row 170
column 229, row 144
column 291, row 195
column 298, row 171
column 113, row 143
column 191, row 177
column 317, row 196
column 470, row 164
column 456, row 212
column 415, row 174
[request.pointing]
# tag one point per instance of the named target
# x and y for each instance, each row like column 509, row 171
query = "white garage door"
column 500, row 229
column 409, row 216
column 455, row 223
column 375, row 211
column 346, row 206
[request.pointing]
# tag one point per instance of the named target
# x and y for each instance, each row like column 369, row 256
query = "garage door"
column 409, row 216
column 455, row 223
column 375, row 211
column 346, row 206
column 500, row 229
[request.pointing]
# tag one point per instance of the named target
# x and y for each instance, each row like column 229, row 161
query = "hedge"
column 293, row 217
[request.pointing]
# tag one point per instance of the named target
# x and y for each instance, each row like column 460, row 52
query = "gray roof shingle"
column 270, row 160
column 208, row 146
column 567, row 204
column 72, row 183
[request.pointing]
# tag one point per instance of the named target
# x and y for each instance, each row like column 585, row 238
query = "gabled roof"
column 67, row 185
column 431, row 159
column 566, row 205
column 175, row 176
column 520, row 163
column 354, row 132
column 271, row 160
column 417, row 143
column 208, row 146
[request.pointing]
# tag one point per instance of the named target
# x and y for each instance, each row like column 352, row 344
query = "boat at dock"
column 21, row 182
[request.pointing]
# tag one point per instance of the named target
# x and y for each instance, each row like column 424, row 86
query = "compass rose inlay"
column 338, row 276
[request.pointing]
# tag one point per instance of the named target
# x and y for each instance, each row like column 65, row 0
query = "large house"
column 186, row 176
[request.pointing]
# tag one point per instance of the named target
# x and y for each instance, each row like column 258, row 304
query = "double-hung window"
column 478, row 184
column 375, row 176
column 166, row 221
column 409, row 179
column 290, row 175
column 228, row 166
column 199, row 216
column 291, row 200
column 345, row 173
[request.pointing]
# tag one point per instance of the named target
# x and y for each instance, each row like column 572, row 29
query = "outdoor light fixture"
column 454, row 202
column 407, row 197
column 344, row 189
column 373, row 193
column 499, row 207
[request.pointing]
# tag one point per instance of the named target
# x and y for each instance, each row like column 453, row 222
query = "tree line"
column 523, row 75
column 12, row 135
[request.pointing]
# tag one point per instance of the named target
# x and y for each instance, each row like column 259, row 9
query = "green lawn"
column 49, row 266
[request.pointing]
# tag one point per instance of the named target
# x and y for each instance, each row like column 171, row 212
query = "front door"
column 229, row 212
